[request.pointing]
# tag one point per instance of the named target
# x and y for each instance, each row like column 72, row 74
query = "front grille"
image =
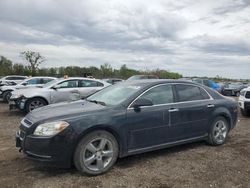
column 22, row 135
column 228, row 92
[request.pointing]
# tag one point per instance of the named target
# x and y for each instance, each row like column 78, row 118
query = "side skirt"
column 165, row 145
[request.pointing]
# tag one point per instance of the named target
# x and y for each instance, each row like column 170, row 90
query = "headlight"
column 49, row 129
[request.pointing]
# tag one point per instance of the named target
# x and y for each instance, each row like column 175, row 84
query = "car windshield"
column 114, row 95
column 51, row 83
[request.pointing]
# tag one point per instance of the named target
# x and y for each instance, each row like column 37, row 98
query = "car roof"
column 159, row 81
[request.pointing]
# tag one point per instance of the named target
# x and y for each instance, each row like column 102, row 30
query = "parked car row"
column 58, row 90
column 5, row 91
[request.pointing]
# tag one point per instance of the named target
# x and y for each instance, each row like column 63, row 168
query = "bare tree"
column 34, row 59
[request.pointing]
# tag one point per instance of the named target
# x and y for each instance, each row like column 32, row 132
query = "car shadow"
column 134, row 160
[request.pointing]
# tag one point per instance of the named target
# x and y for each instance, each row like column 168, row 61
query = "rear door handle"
column 173, row 110
column 210, row 105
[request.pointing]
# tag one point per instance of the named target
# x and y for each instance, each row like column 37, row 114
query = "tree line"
column 34, row 59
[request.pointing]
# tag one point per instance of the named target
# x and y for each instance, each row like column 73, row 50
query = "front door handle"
column 210, row 105
column 173, row 110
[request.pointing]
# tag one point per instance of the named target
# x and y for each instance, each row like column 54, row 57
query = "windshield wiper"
column 97, row 102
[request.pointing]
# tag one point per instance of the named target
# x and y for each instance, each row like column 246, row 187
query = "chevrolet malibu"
column 125, row 119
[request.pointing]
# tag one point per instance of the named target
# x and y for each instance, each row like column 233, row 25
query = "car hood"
column 64, row 110
column 8, row 87
column 27, row 92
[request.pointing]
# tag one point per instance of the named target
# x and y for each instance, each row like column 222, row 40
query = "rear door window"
column 69, row 84
column 90, row 83
column 190, row 93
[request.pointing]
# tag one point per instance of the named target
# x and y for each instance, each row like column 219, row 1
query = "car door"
column 67, row 90
column 149, row 126
column 88, row 87
column 189, row 117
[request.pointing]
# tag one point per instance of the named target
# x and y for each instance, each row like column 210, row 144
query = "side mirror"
column 56, row 87
column 25, row 84
column 142, row 102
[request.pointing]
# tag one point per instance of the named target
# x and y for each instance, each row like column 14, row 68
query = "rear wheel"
column 96, row 153
column 6, row 96
column 34, row 103
column 218, row 132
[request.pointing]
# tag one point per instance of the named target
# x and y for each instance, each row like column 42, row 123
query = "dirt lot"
column 191, row 165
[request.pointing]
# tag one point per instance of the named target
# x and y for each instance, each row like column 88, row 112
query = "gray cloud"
column 191, row 37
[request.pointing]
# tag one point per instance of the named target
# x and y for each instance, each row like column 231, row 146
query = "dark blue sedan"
column 125, row 119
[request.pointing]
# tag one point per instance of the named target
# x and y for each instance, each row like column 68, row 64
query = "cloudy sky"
column 202, row 38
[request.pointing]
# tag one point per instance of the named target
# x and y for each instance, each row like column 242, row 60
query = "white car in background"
column 59, row 90
column 11, row 80
column 244, row 101
column 5, row 91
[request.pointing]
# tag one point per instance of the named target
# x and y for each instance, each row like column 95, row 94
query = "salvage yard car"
column 11, row 80
column 233, row 89
column 56, row 91
column 244, row 102
column 5, row 91
column 125, row 119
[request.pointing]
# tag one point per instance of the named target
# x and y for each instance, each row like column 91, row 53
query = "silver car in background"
column 37, row 81
column 56, row 91
column 11, row 80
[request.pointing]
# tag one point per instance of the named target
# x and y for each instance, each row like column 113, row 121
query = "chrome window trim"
column 211, row 98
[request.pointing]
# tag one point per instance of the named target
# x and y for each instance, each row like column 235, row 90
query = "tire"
column 237, row 94
column 34, row 103
column 6, row 96
column 218, row 132
column 96, row 153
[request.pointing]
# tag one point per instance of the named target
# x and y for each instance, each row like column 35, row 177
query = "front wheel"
column 6, row 96
column 96, row 153
column 218, row 132
column 34, row 103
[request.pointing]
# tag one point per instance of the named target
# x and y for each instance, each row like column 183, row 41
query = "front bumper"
column 17, row 103
column 53, row 151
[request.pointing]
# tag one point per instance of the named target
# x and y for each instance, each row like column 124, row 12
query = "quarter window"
column 160, row 95
column 190, row 93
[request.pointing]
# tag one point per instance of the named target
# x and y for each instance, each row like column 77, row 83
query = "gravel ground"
column 190, row 165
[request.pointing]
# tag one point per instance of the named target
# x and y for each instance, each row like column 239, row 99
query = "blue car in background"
column 209, row 83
